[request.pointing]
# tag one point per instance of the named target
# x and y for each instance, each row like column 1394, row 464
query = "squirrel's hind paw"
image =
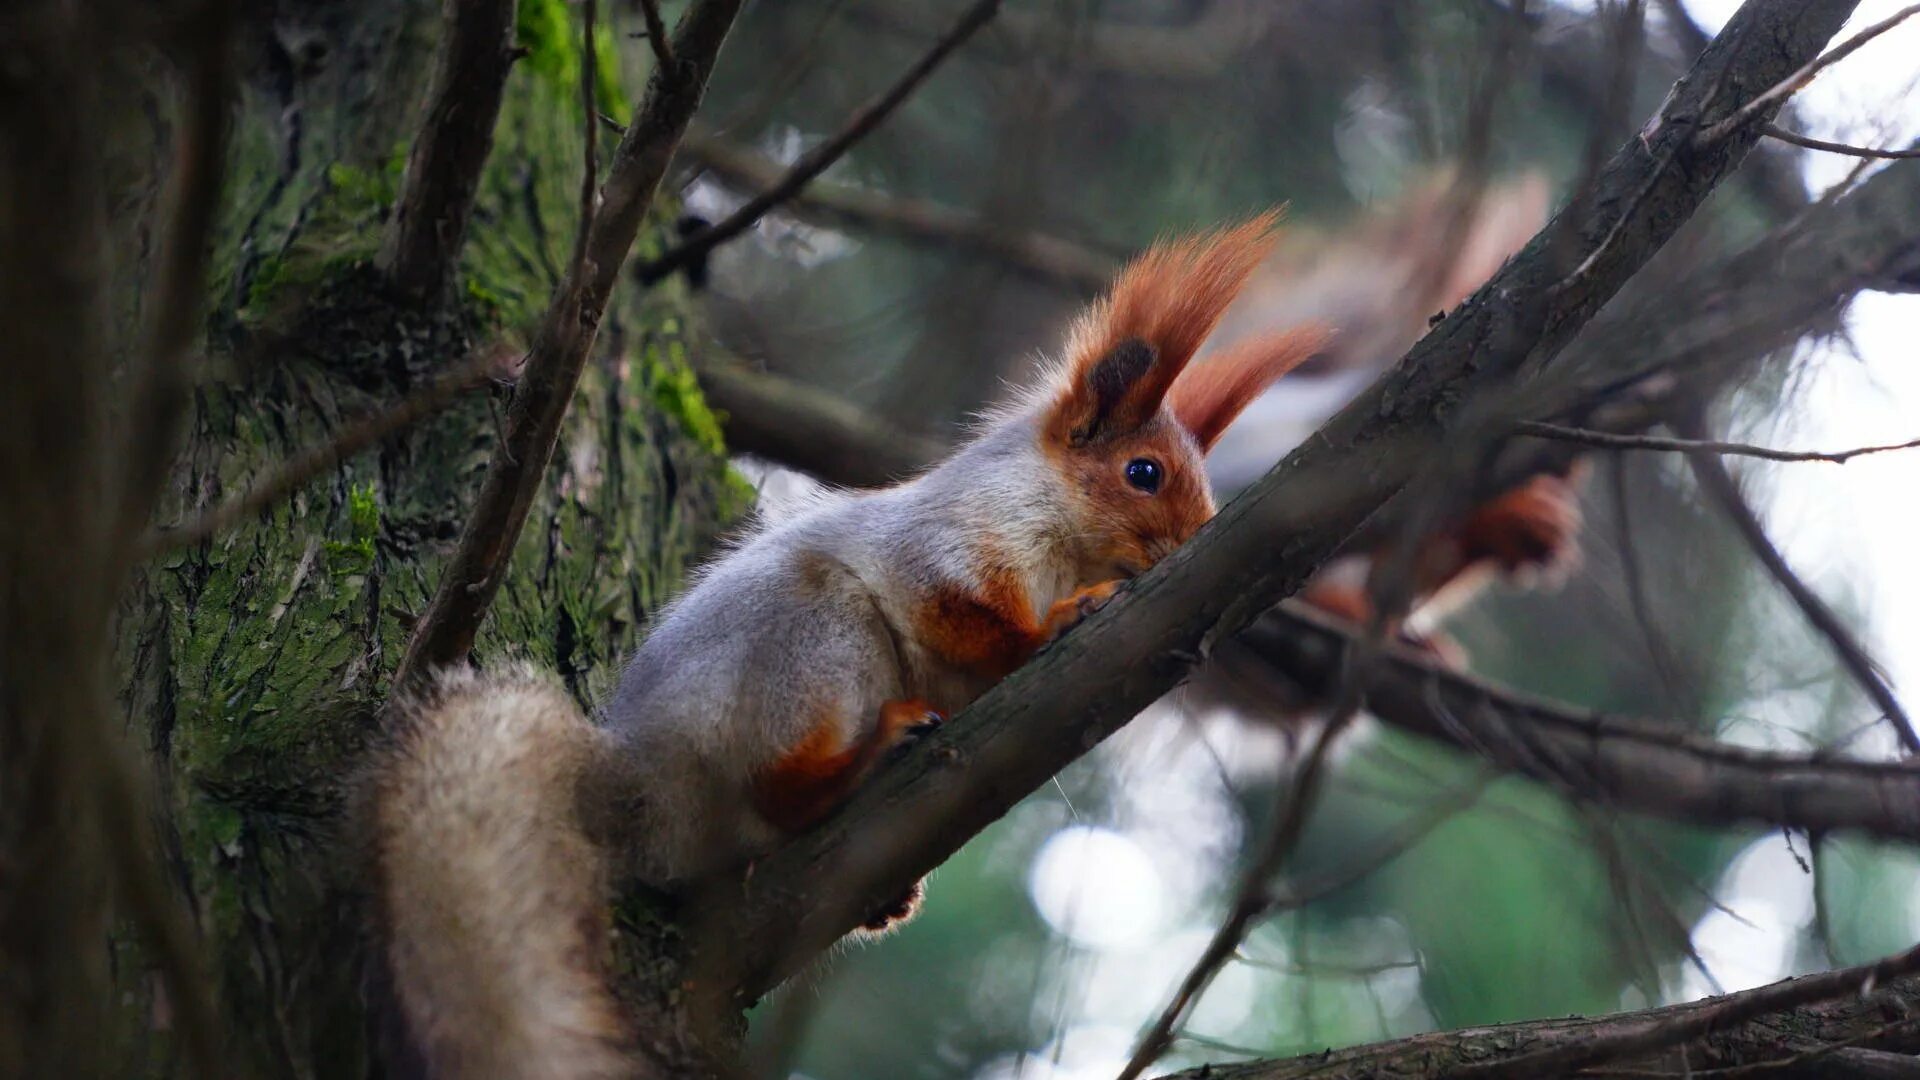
column 903, row 907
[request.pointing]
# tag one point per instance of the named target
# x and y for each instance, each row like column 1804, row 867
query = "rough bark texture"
column 253, row 664
column 1792, row 1045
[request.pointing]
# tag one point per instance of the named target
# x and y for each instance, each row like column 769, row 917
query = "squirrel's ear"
column 1127, row 350
column 1105, row 400
column 1209, row 395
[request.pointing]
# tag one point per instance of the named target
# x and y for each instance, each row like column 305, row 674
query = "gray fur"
column 734, row 672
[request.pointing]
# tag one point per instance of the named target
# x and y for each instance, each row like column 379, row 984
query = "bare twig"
column 1252, row 899
column 1051, row 258
column 566, row 336
column 590, row 154
column 816, row 160
column 1765, row 103
column 1773, row 131
column 657, row 34
column 296, row 472
column 1711, row 473
column 1402, row 840
column 421, row 249
column 1608, row 440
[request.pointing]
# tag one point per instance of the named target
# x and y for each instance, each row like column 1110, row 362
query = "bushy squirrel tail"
column 491, row 896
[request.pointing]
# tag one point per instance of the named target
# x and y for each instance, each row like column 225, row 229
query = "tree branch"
column 421, row 249
column 1774, row 131
column 296, row 472
column 816, row 160
column 1609, row 440
column 1738, row 1032
column 1768, row 103
column 1631, row 765
column 1261, row 547
column 809, row 429
column 566, row 335
column 1080, row 269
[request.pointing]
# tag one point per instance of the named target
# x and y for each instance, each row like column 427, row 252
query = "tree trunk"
column 254, row 664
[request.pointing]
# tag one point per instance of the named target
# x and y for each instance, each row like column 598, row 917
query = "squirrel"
column 792, row 664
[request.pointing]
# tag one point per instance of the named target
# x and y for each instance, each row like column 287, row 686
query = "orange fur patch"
column 819, row 772
column 1209, row 395
column 988, row 632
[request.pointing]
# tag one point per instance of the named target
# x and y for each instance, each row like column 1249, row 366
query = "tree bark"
column 254, row 663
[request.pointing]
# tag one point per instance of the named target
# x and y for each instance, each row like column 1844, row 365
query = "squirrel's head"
column 1127, row 422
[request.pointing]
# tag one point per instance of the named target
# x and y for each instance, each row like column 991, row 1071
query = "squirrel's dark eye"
column 1144, row 474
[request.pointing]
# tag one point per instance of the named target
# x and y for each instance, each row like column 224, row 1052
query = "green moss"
column 359, row 190
column 342, row 231
column 550, row 34
column 675, row 390
column 355, row 555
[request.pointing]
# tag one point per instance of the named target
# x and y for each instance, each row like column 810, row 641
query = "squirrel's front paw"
column 1073, row 610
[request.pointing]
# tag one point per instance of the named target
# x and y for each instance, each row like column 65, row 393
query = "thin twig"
column 296, row 472
column 1792, row 84
column 1608, row 440
column 1718, row 485
column 657, row 34
column 1252, row 899
column 1774, row 131
column 590, row 163
column 817, row 160
column 1078, row 267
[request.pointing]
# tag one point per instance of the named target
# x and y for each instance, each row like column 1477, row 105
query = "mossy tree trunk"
column 254, row 665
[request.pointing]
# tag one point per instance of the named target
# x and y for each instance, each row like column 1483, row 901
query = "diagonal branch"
column 1049, row 258
column 421, row 248
column 1262, row 546
column 296, row 472
column 1711, row 473
column 566, row 336
column 819, row 158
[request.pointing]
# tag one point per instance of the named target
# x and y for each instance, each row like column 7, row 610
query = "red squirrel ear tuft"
column 1126, row 351
column 1209, row 395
